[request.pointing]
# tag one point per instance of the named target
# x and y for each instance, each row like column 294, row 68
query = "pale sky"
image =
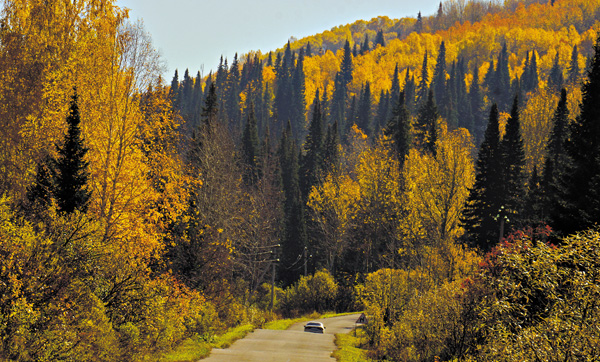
column 195, row 33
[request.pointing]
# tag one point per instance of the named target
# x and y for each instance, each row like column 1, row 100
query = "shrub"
column 315, row 292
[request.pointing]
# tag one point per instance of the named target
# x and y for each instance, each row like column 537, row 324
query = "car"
column 314, row 327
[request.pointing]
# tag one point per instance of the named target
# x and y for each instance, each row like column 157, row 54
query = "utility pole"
column 305, row 261
column 272, row 286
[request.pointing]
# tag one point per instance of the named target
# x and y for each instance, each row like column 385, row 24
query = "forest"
column 440, row 172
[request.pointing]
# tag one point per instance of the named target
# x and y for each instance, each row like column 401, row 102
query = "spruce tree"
column 480, row 216
column 500, row 91
column 395, row 90
column 298, row 99
column 426, row 125
column 423, row 84
column 331, row 150
column 419, row 23
column 398, row 129
column 294, row 237
column 379, row 39
column 409, row 91
column 347, row 65
column 340, row 92
column 251, row 149
column 438, row 82
column 312, row 163
column 574, row 71
column 174, row 91
column 363, row 112
column 555, row 78
column 383, row 112
column 556, row 159
column 365, row 46
column 70, row 169
column 476, row 105
column 579, row 207
column 513, row 162
column 42, row 191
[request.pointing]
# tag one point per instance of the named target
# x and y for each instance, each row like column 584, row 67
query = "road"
column 291, row 345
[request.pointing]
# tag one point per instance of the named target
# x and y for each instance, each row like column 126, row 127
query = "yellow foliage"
column 438, row 187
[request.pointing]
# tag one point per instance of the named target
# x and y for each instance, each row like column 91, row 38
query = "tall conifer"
column 70, row 170
column 485, row 198
column 580, row 204
column 398, row 129
column 513, row 161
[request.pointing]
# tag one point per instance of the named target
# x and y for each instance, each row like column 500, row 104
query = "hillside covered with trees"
column 440, row 172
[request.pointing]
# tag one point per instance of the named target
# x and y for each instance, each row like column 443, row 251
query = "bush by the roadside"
column 315, row 292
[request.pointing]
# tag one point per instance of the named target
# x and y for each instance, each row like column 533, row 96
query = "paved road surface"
column 291, row 345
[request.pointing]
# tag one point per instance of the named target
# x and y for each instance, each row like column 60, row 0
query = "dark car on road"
column 314, row 327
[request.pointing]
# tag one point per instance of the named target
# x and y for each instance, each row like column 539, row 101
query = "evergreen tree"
column 513, row 161
column 531, row 77
column 70, row 170
column 251, row 149
column 489, row 81
column 409, row 91
column 379, row 39
column 556, row 159
column 284, row 93
column 476, row 103
column 383, row 112
column 332, row 155
column 426, row 125
column 480, row 216
column 210, row 109
column 438, row 83
column 423, row 84
column 197, row 97
column 340, row 92
column 187, row 86
column 232, row 96
column 579, row 206
column 395, row 91
column 347, row 66
column 555, row 78
column 461, row 99
column 500, row 90
column 363, row 112
column 174, row 91
column 294, row 237
column 308, row 50
column 42, row 191
column 398, row 129
column 574, row 71
column 298, row 98
column 313, row 162
column 534, row 210
column 419, row 23
column 221, row 79
column 365, row 46
column 351, row 116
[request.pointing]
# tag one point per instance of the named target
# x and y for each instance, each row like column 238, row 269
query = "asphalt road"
column 291, row 345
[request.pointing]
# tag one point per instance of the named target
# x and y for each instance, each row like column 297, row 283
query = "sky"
column 193, row 34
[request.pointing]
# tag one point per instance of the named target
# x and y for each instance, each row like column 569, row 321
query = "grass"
column 194, row 348
column 349, row 348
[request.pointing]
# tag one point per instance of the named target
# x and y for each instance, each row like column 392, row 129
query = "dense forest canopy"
column 438, row 171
